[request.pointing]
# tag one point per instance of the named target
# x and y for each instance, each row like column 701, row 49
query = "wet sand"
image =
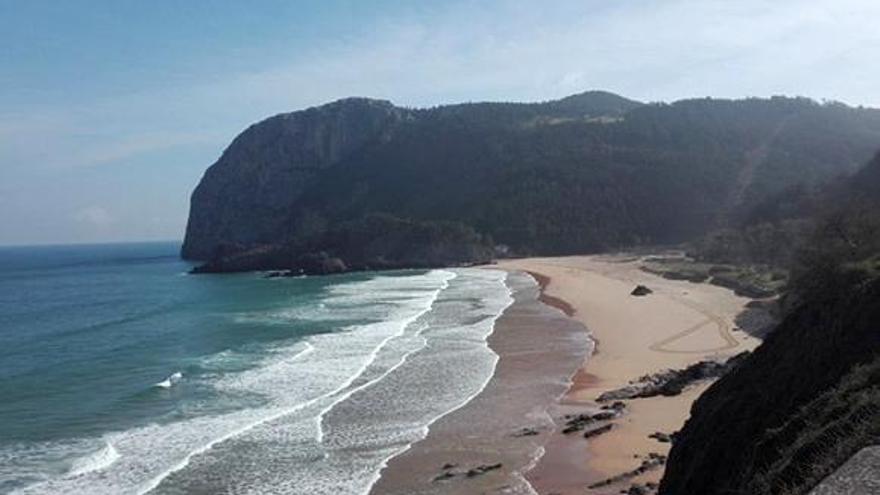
column 509, row 421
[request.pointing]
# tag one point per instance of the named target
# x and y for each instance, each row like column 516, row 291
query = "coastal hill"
column 809, row 397
column 799, row 407
column 586, row 173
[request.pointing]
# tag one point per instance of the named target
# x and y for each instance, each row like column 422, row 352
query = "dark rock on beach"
column 616, row 406
column 576, row 425
column 481, row 470
column 605, row 415
column 637, row 490
column 579, row 422
column 527, row 432
column 598, row 431
column 661, row 437
column 672, row 382
column 641, row 290
column 653, row 461
column 641, row 489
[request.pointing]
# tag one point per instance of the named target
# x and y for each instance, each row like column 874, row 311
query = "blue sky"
column 110, row 111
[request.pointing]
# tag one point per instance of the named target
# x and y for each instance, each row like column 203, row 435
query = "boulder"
column 661, row 437
column 641, row 290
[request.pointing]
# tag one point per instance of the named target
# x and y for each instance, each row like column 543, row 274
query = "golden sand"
column 679, row 324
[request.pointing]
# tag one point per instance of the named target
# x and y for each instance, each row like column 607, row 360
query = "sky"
column 110, row 111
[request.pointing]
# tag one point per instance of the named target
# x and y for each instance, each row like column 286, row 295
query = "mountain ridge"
column 584, row 173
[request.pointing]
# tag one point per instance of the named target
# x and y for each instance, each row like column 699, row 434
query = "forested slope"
column 585, row 173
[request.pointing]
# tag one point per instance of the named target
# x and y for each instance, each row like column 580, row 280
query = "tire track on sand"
column 721, row 324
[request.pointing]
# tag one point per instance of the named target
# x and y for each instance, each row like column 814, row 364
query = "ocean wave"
column 258, row 384
column 98, row 460
column 495, row 308
column 320, row 418
column 506, row 301
column 170, row 381
column 312, row 374
column 305, row 383
column 381, row 298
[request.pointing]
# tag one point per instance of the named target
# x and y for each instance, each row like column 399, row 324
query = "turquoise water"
column 123, row 374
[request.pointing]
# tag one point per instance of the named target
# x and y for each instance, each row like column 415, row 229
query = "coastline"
column 573, row 333
column 511, row 419
column 677, row 325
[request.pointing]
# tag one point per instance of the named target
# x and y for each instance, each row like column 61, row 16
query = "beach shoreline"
column 488, row 444
column 680, row 323
column 576, row 333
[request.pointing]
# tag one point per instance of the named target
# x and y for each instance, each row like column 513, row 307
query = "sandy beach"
column 679, row 324
column 559, row 349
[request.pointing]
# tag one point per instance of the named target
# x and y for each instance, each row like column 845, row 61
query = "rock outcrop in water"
column 376, row 242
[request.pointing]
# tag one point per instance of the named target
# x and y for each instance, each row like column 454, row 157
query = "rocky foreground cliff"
column 585, row 173
column 808, row 399
column 799, row 407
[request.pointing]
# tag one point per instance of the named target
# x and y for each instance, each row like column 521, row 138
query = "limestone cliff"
column 245, row 198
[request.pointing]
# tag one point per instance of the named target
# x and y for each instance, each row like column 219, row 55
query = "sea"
column 120, row 373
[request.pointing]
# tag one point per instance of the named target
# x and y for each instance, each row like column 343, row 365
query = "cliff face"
column 246, row 197
column 798, row 407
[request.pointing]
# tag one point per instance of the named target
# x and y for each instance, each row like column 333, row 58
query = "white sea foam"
column 374, row 354
column 418, row 386
column 170, row 381
column 356, row 293
column 505, row 300
column 94, row 462
column 392, row 413
column 319, row 419
column 520, row 475
column 414, row 322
